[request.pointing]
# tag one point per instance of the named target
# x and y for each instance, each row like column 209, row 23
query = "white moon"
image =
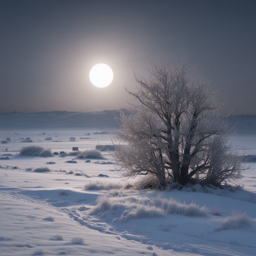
column 101, row 75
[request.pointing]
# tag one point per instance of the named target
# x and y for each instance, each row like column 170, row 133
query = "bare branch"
column 176, row 132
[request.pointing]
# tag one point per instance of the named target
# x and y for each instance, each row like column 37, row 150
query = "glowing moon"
column 101, row 75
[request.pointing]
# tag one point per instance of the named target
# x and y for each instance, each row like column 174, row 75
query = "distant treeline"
column 243, row 124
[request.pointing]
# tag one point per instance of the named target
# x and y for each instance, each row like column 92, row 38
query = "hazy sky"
column 48, row 47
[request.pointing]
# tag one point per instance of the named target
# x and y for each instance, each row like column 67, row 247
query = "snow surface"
column 84, row 206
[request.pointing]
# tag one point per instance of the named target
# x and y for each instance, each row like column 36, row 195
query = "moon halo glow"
column 101, row 75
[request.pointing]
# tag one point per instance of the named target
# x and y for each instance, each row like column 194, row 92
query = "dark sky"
column 48, row 47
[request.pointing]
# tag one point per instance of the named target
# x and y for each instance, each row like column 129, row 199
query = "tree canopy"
column 176, row 133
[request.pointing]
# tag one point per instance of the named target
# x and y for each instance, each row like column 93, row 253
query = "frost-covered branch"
column 176, row 131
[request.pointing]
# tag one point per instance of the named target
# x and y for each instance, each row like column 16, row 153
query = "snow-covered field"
column 83, row 207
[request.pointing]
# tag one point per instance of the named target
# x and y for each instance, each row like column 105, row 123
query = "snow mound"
column 35, row 151
column 56, row 238
column 71, row 162
column 93, row 154
column 236, row 221
column 49, row 219
column 96, row 185
column 77, row 240
column 42, row 169
column 4, row 158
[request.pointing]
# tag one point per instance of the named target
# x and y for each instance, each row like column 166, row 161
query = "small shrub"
column 147, row 182
column 237, row 220
column 63, row 193
column 128, row 186
column 141, row 212
column 42, row 169
column 129, row 208
column 104, row 204
column 35, row 151
column 63, row 154
column 103, row 132
column 172, row 206
column 104, row 162
column 95, row 185
column 187, row 210
column 103, row 175
column 31, row 151
column 50, row 163
column 216, row 212
column 93, row 154
column 46, row 153
column 74, row 153
column 49, row 219
column 106, row 147
column 27, row 140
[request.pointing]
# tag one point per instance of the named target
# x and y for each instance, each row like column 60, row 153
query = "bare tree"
column 176, row 132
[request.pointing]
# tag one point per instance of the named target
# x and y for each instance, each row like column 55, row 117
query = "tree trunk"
column 162, row 179
column 184, row 175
